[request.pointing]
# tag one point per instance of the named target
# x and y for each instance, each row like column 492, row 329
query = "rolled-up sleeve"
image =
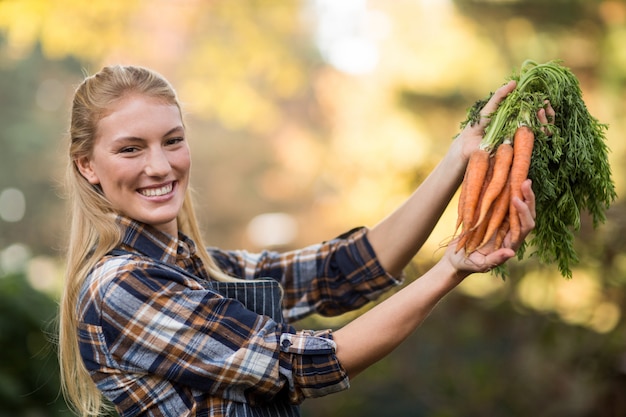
column 315, row 370
column 329, row 278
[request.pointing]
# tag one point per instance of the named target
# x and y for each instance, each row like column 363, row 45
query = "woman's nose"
column 157, row 164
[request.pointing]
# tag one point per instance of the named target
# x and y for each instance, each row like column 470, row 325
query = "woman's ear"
column 84, row 166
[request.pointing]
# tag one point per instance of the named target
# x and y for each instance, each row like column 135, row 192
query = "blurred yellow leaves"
column 228, row 60
column 64, row 27
column 238, row 64
column 482, row 285
column 578, row 301
column 433, row 49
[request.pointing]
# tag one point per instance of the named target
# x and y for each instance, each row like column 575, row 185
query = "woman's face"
column 141, row 160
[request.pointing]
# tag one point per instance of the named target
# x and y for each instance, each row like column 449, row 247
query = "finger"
column 546, row 117
column 542, row 116
column 526, row 213
column 497, row 258
column 529, row 197
column 526, row 217
column 550, row 113
column 495, row 100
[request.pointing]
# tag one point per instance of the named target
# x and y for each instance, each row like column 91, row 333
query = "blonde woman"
column 160, row 325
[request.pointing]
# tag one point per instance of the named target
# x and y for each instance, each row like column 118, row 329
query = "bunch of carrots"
column 569, row 169
column 491, row 182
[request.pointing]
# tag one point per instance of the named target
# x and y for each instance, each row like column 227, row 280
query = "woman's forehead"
column 134, row 114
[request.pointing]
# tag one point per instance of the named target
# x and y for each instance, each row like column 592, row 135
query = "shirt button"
column 286, row 343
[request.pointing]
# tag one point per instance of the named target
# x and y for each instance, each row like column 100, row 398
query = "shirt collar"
column 153, row 243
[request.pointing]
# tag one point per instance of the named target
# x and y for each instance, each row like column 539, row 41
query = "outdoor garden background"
column 307, row 118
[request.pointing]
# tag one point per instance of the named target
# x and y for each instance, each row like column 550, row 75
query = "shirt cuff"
column 372, row 280
column 310, row 365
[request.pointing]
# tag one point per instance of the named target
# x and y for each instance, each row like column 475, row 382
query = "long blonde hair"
column 93, row 232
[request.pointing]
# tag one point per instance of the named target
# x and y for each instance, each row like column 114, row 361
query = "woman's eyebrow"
column 128, row 139
column 174, row 130
column 131, row 138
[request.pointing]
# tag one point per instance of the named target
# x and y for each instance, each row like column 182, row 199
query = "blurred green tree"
column 29, row 377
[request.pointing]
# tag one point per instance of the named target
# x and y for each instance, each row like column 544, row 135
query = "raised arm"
column 398, row 237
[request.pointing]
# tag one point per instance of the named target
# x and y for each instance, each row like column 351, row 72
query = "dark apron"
column 262, row 295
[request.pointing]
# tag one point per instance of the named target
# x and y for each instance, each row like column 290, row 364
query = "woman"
column 161, row 326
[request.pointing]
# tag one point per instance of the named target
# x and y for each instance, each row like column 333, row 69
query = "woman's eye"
column 174, row 141
column 128, row 149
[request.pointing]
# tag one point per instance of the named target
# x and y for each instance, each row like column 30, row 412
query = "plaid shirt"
column 158, row 339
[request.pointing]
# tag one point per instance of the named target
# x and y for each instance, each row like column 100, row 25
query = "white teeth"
column 155, row 192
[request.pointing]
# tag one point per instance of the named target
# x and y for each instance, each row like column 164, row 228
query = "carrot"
column 500, row 209
column 523, row 143
column 463, row 238
column 477, row 168
column 462, row 197
column 468, row 231
column 502, row 231
column 478, row 232
column 502, row 164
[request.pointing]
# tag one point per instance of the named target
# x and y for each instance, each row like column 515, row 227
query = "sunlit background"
column 307, row 118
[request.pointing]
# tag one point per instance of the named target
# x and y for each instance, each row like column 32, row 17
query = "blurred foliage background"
column 308, row 118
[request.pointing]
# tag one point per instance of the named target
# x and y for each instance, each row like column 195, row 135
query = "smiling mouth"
column 156, row 192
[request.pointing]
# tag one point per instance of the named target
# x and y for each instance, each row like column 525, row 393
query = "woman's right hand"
column 470, row 137
column 488, row 257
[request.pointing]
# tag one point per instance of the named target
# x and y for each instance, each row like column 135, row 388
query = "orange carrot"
column 500, row 209
column 478, row 232
column 462, row 197
column 462, row 240
column 502, row 164
column 502, row 231
column 468, row 231
column 477, row 168
column 523, row 143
